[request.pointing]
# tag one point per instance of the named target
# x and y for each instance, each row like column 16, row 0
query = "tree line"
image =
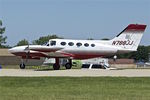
column 40, row 41
column 141, row 53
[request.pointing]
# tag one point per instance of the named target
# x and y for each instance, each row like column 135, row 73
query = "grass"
column 74, row 88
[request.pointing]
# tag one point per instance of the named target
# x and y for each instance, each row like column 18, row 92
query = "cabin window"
column 92, row 45
column 70, row 43
column 63, row 43
column 86, row 44
column 52, row 43
column 79, row 44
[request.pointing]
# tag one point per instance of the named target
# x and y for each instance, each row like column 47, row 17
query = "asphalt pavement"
column 76, row 72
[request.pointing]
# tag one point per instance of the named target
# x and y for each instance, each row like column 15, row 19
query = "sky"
column 72, row 19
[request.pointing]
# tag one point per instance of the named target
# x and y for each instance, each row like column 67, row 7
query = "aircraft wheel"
column 68, row 66
column 56, row 67
column 22, row 66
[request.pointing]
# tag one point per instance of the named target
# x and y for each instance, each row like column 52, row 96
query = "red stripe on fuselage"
column 35, row 54
column 81, row 56
column 86, row 56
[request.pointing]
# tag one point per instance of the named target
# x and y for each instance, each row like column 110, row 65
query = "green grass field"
column 74, row 88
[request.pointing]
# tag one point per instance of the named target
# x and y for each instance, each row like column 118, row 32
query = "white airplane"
column 126, row 41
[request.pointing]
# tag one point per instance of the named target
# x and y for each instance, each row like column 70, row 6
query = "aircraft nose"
column 12, row 50
column 16, row 49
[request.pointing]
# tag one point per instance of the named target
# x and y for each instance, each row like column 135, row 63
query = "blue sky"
column 73, row 19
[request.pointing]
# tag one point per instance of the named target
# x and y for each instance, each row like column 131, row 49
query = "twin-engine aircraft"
column 126, row 41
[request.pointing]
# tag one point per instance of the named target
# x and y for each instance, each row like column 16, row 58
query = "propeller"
column 27, row 50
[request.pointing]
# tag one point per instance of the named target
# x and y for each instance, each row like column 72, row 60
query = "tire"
column 68, row 66
column 56, row 67
column 22, row 66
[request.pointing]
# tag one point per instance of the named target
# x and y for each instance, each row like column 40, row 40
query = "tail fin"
column 130, row 37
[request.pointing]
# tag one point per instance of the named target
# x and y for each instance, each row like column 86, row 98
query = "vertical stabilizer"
column 130, row 37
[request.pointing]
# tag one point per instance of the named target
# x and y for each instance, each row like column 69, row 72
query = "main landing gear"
column 69, row 64
column 56, row 66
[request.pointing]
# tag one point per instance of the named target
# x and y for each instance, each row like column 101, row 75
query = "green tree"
column 101, row 39
column 140, row 54
column 22, row 42
column 44, row 39
column 90, row 39
column 2, row 38
column 105, row 39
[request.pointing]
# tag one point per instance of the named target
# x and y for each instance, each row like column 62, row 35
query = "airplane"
column 126, row 41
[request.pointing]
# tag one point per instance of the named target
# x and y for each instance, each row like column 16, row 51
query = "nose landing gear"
column 22, row 66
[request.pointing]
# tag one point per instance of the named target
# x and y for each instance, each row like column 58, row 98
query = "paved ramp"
column 76, row 73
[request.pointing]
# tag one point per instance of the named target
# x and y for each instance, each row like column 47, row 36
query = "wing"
column 36, row 51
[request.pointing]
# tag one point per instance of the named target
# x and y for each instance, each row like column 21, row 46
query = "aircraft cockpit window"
column 70, row 43
column 92, row 45
column 86, row 44
column 63, row 43
column 52, row 43
column 79, row 44
column 47, row 44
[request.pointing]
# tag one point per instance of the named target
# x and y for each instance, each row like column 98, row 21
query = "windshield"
column 52, row 43
column 46, row 44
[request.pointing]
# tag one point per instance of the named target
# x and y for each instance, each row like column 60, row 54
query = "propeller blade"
column 27, row 50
